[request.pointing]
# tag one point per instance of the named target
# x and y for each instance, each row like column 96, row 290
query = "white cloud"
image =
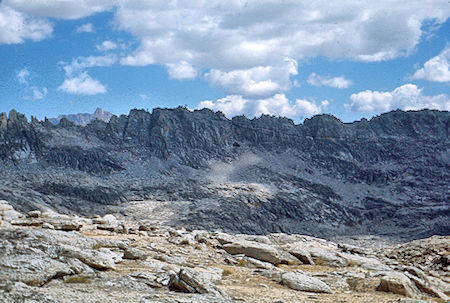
column 335, row 82
column 240, row 47
column 244, row 34
column 23, row 75
column 181, row 70
column 16, row 27
column 82, row 84
column 81, row 63
column 61, row 9
column 277, row 105
column 35, row 93
column 77, row 81
column 436, row 69
column 85, row 28
column 260, row 81
column 406, row 97
column 106, row 46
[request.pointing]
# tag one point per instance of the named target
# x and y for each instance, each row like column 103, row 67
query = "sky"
column 352, row 59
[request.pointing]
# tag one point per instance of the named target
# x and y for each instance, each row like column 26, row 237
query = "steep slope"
column 386, row 176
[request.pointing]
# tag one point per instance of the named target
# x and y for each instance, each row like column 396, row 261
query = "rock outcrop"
column 163, row 264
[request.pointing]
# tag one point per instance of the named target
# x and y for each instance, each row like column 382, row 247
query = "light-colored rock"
column 398, row 283
column 287, row 258
column 134, row 254
column 108, row 222
column 328, row 257
column 98, row 259
column 259, row 251
column 426, row 284
column 68, row 225
column 7, row 212
column 253, row 263
column 302, row 254
column 302, row 282
column 34, row 214
column 195, row 281
column 46, row 225
column 255, row 238
column 363, row 262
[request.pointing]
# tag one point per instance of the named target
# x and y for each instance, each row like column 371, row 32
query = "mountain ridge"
column 387, row 175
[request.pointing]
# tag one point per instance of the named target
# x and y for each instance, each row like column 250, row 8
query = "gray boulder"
column 302, row 282
column 7, row 212
column 195, row 281
column 398, row 283
column 259, row 251
column 302, row 254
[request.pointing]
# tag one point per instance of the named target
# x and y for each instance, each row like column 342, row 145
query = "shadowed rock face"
column 386, row 176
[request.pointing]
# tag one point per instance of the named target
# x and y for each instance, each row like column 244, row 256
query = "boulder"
column 195, row 281
column 322, row 256
column 302, row 282
column 259, row 251
column 398, row 283
column 427, row 284
column 108, row 222
column 252, row 263
column 134, row 254
column 302, row 254
column 34, row 214
column 287, row 258
column 7, row 212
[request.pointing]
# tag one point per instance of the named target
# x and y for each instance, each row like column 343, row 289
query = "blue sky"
column 352, row 59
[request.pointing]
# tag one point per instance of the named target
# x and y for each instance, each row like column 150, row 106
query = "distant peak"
column 84, row 118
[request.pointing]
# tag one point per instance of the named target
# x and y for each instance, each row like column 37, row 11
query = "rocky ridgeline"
column 386, row 176
column 49, row 257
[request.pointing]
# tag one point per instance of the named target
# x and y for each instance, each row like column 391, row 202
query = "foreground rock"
column 194, row 281
column 35, row 257
column 163, row 264
column 398, row 283
column 299, row 281
column 259, row 251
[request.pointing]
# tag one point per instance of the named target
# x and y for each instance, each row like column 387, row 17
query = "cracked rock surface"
column 163, row 264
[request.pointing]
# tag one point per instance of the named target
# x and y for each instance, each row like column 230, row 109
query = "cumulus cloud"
column 278, row 105
column 16, row 27
column 85, row 28
column 106, row 46
column 77, row 81
column 181, row 70
column 81, row 63
column 245, row 34
column 259, row 81
column 436, row 69
column 335, row 82
column 61, row 9
column 406, row 97
column 240, row 47
column 82, row 84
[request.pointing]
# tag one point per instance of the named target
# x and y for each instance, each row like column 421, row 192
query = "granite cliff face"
column 386, row 176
